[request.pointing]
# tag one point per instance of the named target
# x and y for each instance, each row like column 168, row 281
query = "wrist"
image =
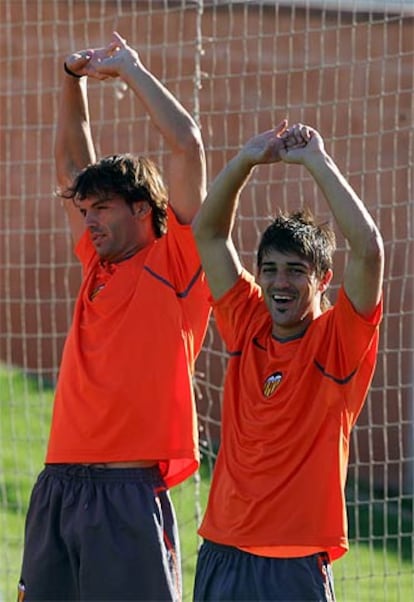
column 70, row 72
column 315, row 162
column 132, row 71
column 244, row 161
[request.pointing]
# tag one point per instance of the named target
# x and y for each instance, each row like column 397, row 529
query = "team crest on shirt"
column 271, row 383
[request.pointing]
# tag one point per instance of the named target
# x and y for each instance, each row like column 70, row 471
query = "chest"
column 272, row 382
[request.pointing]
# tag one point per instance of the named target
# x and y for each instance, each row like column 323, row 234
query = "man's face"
column 292, row 292
column 111, row 224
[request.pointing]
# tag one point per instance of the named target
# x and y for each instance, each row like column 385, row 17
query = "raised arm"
column 187, row 169
column 363, row 276
column 213, row 224
column 74, row 148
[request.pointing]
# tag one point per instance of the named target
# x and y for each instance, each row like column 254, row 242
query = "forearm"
column 74, row 147
column 351, row 216
column 216, row 216
column 213, row 224
column 171, row 119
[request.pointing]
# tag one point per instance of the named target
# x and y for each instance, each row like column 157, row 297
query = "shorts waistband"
column 97, row 472
column 222, row 547
column 226, row 549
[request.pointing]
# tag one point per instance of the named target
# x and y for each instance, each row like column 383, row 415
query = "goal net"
column 343, row 66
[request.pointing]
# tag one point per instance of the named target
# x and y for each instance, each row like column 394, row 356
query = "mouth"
column 282, row 298
column 282, row 301
column 96, row 237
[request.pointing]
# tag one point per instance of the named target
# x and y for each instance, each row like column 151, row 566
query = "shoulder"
column 245, row 290
column 241, row 309
column 345, row 307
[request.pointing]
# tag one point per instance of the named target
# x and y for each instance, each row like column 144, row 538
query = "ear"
column 325, row 281
column 141, row 209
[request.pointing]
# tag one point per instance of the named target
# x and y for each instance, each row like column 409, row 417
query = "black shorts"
column 227, row 573
column 100, row 534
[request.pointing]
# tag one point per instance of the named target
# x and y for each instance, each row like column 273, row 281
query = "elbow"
column 373, row 251
column 64, row 174
column 191, row 142
column 377, row 244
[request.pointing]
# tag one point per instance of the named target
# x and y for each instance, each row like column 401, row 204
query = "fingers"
column 119, row 39
column 281, row 128
column 78, row 61
column 96, row 62
column 116, row 44
column 297, row 136
column 104, row 58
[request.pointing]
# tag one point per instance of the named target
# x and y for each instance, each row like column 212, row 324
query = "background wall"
column 239, row 67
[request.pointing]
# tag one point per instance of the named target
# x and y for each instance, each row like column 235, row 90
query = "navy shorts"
column 227, row 573
column 100, row 534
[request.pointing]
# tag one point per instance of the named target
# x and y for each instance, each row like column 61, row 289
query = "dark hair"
column 131, row 177
column 298, row 233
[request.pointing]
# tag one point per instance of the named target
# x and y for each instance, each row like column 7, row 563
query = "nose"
column 90, row 219
column 280, row 279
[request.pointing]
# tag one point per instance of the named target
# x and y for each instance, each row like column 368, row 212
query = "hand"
column 266, row 147
column 114, row 59
column 103, row 63
column 77, row 62
column 300, row 144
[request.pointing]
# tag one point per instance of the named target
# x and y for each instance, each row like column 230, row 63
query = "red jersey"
column 125, row 391
column 288, row 409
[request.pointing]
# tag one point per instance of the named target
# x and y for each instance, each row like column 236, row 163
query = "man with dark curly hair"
column 101, row 525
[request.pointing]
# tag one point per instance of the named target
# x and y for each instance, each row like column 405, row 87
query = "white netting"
column 346, row 67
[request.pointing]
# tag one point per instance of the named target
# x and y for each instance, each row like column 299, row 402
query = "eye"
column 268, row 270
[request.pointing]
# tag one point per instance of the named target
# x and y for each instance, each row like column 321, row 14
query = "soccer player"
column 101, row 525
column 298, row 374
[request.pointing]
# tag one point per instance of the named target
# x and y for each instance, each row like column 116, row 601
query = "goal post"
column 343, row 66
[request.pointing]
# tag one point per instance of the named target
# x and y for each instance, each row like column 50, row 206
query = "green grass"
column 378, row 567
column 24, row 423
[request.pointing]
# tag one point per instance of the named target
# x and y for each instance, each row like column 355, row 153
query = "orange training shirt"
column 125, row 391
column 288, row 410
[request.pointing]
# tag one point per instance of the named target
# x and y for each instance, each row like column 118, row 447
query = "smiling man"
column 298, row 374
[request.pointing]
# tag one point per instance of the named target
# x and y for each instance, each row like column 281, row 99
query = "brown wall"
column 350, row 76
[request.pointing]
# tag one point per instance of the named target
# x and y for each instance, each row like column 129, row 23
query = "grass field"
column 378, row 570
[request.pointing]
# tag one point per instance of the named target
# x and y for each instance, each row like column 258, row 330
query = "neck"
column 127, row 255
